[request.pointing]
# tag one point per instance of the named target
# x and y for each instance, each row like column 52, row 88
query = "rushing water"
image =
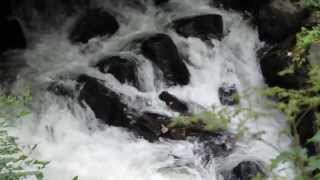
column 76, row 144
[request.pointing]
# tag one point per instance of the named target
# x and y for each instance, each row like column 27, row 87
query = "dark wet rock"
column 312, row 20
column 108, row 107
column 211, row 144
column 47, row 7
column 123, row 69
column 60, row 89
column 14, row 37
column 307, row 128
column 159, row 2
column 10, row 67
column 5, row 9
column 251, row 6
column 93, row 23
column 228, row 95
column 151, row 125
column 280, row 19
column 204, row 27
column 162, row 51
column 246, row 170
column 278, row 59
column 105, row 103
column 174, row 103
column 216, row 144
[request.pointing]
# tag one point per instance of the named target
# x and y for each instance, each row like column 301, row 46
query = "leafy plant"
column 14, row 163
column 219, row 120
column 295, row 104
column 211, row 121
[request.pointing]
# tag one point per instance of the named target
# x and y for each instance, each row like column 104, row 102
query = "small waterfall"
column 78, row 144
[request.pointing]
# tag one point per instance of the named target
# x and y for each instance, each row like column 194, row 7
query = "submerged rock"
column 277, row 60
column 216, row 144
column 162, row 51
column 246, row 170
column 14, row 37
column 280, row 19
column 204, row 27
column 123, row 69
column 174, row 103
column 60, row 89
column 93, row 23
column 228, row 95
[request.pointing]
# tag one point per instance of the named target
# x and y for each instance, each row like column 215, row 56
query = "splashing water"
column 76, row 144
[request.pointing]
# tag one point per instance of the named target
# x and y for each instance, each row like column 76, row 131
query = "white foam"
column 60, row 128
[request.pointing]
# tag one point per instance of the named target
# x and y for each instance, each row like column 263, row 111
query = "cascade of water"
column 76, row 144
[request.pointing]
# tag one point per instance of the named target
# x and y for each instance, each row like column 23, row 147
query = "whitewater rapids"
column 76, row 144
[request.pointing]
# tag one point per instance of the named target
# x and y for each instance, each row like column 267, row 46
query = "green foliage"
column 314, row 4
column 295, row 104
column 212, row 121
column 14, row 163
column 219, row 120
column 304, row 39
column 292, row 103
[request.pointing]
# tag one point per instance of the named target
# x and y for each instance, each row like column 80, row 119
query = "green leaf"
column 315, row 138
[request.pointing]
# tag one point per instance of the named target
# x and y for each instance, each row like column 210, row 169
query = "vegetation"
column 15, row 164
column 211, row 121
column 296, row 104
column 219, row 120
column 315, row 4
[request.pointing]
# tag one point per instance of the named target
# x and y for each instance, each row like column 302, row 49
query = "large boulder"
column 105, row 103
column 280, row 19
column 278, row 59
column 173, row 102
column 14, row 37
column 109, row 108
column 123, row 69
column 93, row 23
column 5, row 9
column 162, row 51
column 228, row 94
column 204, row 27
